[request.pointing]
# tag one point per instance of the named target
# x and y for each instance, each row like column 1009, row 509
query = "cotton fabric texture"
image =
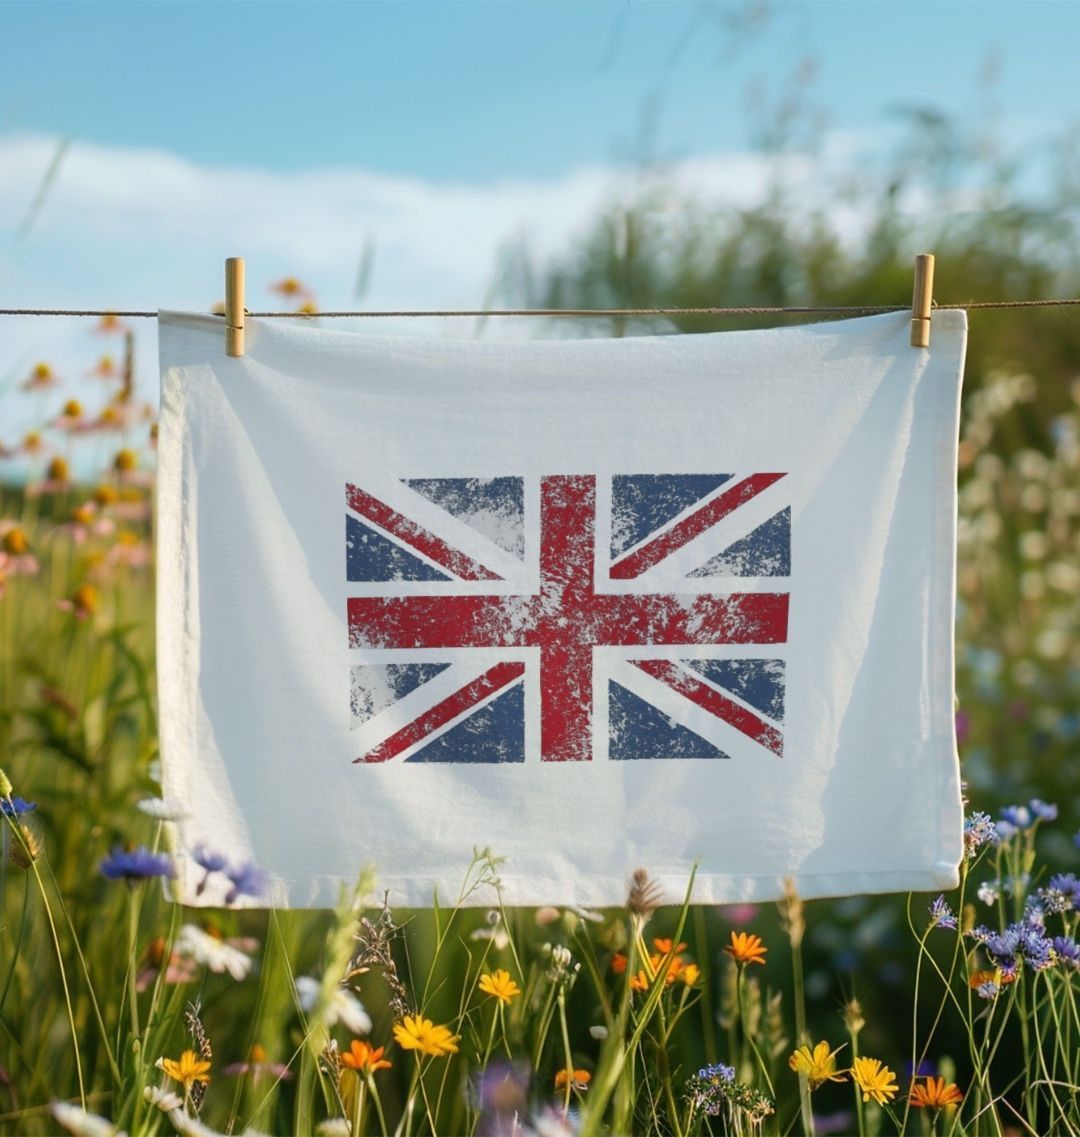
column 594, row 604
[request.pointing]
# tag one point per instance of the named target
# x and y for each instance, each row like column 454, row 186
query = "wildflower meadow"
column 122, row 1012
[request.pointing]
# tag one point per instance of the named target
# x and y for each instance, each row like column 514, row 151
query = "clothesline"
column 486, row 313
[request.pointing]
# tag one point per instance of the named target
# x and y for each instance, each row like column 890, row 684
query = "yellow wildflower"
column 819, row 1064
column 874, row 1080
column 418, row 1033
column 188, row 1070
column 499, row 986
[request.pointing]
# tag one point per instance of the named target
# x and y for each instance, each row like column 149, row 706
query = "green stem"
column 132, row 969
column 747, row 1033
column 10, row 817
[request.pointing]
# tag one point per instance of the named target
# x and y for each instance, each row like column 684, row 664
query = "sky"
column 299, row 134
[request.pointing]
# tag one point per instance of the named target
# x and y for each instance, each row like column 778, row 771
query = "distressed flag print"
column 594, row 604
column 443, row 675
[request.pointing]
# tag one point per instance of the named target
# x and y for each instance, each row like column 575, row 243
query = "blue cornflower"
column 247, row 880
column 987, row 990
column 1019, row 816
column 14, row 806
column 718, row 1072
column 941, row 914
column 1067, row 951
column 981, row 934
column 1005, row 944
column 1044, row 811
column 979, row 830
column 1068, row 886
column 209, row 860
column 1005, row 831
column 1036, row 949
column 138, row 864
column 1035, row 911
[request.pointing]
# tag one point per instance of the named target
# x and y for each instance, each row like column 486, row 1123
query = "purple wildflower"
column 12, row 807
column 1035, row 911
column 247, row 880
column 1065, row 888
column 941, row 914
column 138, row 864
column 1067, row 951
column 1036, row 949
column 839, row 1122
column 979, row 830
column 1044, row 811
column 981, row 934
column 987, row 990
column 718, row 1072
column 207, row 859
column 1018, row 816
column 500, row 1092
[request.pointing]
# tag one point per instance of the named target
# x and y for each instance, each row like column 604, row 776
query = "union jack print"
column 568, row 617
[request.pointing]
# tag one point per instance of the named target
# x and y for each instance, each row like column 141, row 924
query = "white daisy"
column 217, row 954
column 344, row 1006
column 82, row 1124
column 164, row 1099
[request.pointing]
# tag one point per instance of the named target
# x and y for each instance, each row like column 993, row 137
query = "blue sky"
column 456, row 90
column 439, row 135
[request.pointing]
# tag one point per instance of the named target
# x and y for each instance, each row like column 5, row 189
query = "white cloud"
column 143, row 229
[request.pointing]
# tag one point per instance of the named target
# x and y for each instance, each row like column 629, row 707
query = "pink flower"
column 84, row 522
column 16, row 559
column 40, row 379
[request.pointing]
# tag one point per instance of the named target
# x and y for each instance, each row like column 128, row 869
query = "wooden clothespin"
column 922, row 300
column 234, row 306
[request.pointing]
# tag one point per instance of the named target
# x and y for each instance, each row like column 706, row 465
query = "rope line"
column 487, row 313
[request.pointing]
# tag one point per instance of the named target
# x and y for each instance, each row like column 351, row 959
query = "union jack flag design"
column 645, row 619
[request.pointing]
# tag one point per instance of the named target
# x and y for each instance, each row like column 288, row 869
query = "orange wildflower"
column 935, row 1094
column 364, row 1058
column 746, row 948
column 619, row 963
column 290, row 286
column 664, row 947
column 110, row 324
column 998, row 978
column 577, row 1079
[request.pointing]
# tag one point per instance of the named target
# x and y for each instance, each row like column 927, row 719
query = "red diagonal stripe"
column 399, row 526
column 714, row 702
column 456, row 704
column 637, row 562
